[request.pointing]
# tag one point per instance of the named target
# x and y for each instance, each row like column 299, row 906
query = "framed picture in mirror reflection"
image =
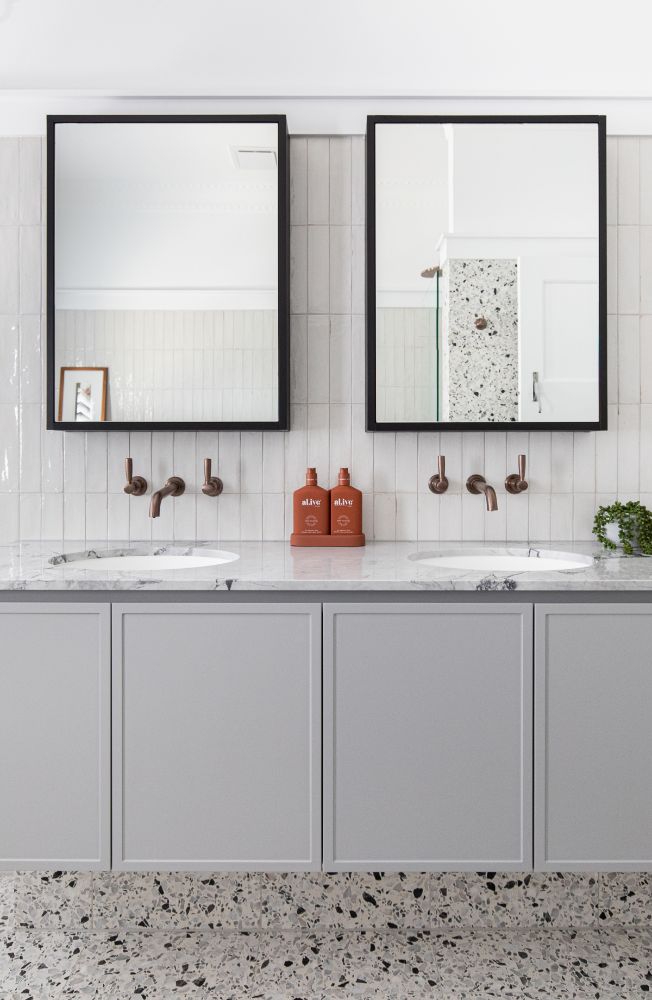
column 82, row 395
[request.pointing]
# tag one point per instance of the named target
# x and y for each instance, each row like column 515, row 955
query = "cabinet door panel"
column 54, row 736
column 427, row 736
column 593, row 746
column 217, row 736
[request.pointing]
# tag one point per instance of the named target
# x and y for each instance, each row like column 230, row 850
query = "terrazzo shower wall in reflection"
column 55, row 485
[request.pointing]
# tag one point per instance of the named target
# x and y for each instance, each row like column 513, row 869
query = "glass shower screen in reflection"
column 167, row 270
column 486, row 273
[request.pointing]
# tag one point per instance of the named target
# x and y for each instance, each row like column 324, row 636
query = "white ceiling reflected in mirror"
column 168, row 268
column 486, row 273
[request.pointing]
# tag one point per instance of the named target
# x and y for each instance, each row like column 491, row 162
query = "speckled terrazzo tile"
column 53, row 900
column 625, row 897
column 288, row 964
column 7, row 901
column 491, row 899
column 175, row 900
column 346, row 900
column 53, row 964
column 393, row 962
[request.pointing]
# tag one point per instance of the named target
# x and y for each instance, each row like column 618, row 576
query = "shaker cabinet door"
column 427, row 736
column 55, row 685
column 217, row 736
column 593, row 747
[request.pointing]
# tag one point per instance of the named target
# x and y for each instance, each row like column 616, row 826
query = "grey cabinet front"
column 55, row 685
column 217, row 736
column 427, row 736
column 593, row 748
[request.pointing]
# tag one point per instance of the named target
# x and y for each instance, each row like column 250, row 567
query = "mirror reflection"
column 487, row 272
column 166, row 270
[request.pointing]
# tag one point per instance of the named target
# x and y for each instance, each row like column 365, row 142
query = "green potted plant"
column 628, row 524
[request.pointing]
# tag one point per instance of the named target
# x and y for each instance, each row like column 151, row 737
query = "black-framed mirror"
column 486, row 273
column 167, row 272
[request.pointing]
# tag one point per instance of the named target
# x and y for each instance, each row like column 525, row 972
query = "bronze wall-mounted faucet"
column 478, row 484
column 438, row 483
column 136, row 485
column 213, row 485
column 517, row 483
column 174, row 487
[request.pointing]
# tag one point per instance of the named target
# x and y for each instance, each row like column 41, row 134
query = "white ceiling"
column 335, row 48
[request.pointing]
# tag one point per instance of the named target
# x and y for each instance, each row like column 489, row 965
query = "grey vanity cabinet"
column 55, row 688
column 593, row 750
column 427, row 736
column 217, row 736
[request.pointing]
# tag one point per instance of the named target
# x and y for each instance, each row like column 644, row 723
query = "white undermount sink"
column 505, row 560
column 125, row 561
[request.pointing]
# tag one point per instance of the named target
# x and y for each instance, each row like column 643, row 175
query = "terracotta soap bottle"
column 311, row 512
column 346, row 510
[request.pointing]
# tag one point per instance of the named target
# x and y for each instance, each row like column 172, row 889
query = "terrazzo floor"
column 280, row 965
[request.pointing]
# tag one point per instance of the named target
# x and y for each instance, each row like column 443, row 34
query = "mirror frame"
column 372, row 423
column 283, row 421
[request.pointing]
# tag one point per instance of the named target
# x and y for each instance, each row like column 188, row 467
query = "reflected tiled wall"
column 55, row 485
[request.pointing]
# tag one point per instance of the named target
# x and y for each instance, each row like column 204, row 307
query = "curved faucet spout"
column 478, row 484
column 174, row 487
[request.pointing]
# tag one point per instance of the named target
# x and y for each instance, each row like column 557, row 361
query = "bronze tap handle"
column 517, row 483
column 213, row 485
column 438, row 483
column 136, row 485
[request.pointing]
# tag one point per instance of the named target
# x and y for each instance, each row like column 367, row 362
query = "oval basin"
column 139, row 562
column 513, row 561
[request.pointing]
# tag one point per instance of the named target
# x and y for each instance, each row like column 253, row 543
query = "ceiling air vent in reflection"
column 253, row 158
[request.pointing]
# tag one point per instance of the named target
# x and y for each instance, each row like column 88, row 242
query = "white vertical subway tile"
column 142, row 527
column 612, row 180
column 273, row 529
column 583, row 462
column 612, row 359
column 74, row 462
column 406, row 463
column 517, row 515
column 251, row 449
column 318, row 270
column 450, row 446
column 539, row 462
column 96, row 516
column 185, row 460
column 299, row 359
column 9, row 518
column 117, row 452
column 208, row 446
column 583, row 513
column 362, row 451
column 629, row 381
column 495, row 459
column 340, row 181
column 450, row 517
column 29, row 211
column 358, row 168
column 539, row 517
column 427, row 452
column 606, row 455
column 117, row 517
column 628, row 181
column 230, row 461
column 228, row 519
column 561, row 517
column 52, row 516
column 385, row 517
column 318, row 148
column 296, row 449
column 385, row 462
column 30, row 448
column 318, row 442
column 9, row 270
column 97, row 446
column 298, row 181
column 340, row 269
column 9, row 180
column 339, row 363
column 473, row 508
column 645, row 453
column 31, row 352
column 74, row 516
column 628, row 451
column 406, row 517
column 561, row 462
column 10, row 360
column 358, row 361
column 358, row 270
column 184, row 512
column 273, row 462
column 51, row 458
column 340, row 443
column 612, row 269
column 299, row 269
column 473, row 454
column 495, row 523
column 368, row 516
column 30, row 270
column 646, row 358
column 428, row 507
column 30, row 516
column 645, row 153
column 629, row 270
column 207, row 517
column 318, row 359
column 645, row 266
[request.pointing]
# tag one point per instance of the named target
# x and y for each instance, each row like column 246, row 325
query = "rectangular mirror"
column 168, row 272
column 486, row 273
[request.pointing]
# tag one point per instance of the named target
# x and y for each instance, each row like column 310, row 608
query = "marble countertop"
column 270, row 566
